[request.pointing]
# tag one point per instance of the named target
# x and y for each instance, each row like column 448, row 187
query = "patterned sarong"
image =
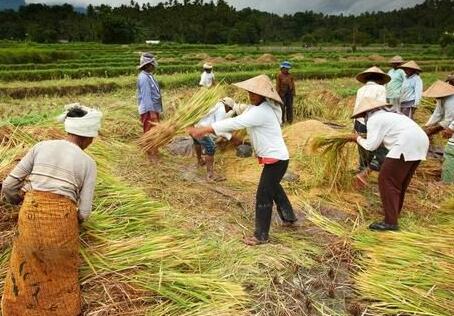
column 44, row 265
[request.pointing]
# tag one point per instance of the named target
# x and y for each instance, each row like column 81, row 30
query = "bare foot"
column 253, row 241
column 215, row 178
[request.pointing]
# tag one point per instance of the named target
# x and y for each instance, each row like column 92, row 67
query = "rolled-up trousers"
column 269, row 191
column 393, row 180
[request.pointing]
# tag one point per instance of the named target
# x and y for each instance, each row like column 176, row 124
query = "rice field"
column 162, row 241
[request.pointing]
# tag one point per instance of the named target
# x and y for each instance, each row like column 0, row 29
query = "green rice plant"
column 336, row 158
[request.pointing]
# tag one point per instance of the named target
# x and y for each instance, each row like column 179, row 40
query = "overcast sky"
column 280, row 6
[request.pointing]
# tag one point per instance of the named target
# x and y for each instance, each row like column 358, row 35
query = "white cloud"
column 279, row 6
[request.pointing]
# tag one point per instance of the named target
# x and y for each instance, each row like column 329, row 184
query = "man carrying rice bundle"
column 411, row 89
column 58, row 179
column 205, row 144
column 263, row 120
column 442, row 120
column 374, row 80
column 148, row 96
column 407, row 144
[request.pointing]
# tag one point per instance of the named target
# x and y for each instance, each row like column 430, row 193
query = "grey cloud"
column 280, row 6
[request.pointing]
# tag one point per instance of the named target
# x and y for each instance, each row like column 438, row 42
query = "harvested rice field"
column 162, row 240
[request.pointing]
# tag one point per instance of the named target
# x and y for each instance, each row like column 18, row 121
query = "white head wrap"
column 86, row 126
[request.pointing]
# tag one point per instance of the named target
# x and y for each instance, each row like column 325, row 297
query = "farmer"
column 263, row 122
column 206, row 144
column 148, row 96
column 411, row 89
column 442, row 120
column 58, row 179
column 407, row 144
column 285, row 86
column 207, row 76
column 394, row 86
column 373, row 79
column 450, row 79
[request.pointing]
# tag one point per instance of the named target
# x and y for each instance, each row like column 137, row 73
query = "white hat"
column 366, row 105
column 85, row 126
column 260, row 85
column 147, row 58
column 439, row 89
column 207, row 66
column 228, row 101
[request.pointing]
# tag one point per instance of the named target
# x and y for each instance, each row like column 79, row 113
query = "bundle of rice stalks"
column 185, row 115
column 308, row 108
column 335, row 159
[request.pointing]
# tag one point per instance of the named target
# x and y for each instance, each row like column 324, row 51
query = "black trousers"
column 287, row 107
column 269, row 191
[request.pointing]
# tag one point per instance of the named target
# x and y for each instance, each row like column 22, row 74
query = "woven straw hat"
column 207, row 66
column 439, row 89
column 396, row 60
column 260, row 85
column 366, row 105
column 362, row 77
column 411, row 65
column 147, row 58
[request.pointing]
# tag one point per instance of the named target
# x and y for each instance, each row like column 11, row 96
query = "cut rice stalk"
column 186, row 115
column 336, row 157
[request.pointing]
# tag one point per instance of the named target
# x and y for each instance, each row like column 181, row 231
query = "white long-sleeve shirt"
column 264, row 129
column 206, row 79
column 444, row 114
column 217, row 113
column 55, row 166
column 369, row 90
column 412, row 89
column 398, row 133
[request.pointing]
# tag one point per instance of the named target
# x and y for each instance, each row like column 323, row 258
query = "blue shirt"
column 395, row 85
column 412, row 89
column 148, row 93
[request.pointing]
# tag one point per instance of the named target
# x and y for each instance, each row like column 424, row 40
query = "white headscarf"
column 86, row 126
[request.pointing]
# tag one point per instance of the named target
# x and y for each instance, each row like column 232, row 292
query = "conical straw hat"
column 366, row 105
column 439, row 89
column 411, row 65
column 396, row 60
column 362, row 77
column 260, row 85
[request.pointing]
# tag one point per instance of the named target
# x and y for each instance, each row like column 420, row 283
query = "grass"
column 162, row 242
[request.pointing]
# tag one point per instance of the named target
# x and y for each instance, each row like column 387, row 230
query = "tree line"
column 199, row 21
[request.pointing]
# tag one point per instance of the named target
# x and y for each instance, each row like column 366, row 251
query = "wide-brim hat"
column 366, row 105
column 396, row 60
column 147, row 58
column 450, row 77
column 439, row 89
column 207, row 66
column 362, row 77
column 411, row 65
column 260, row 85
column 286, row 65
column 228, row 101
